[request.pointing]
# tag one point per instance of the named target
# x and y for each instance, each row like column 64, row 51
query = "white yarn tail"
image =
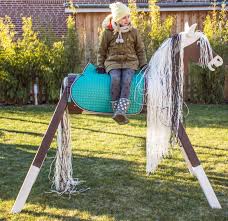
column 63, row 181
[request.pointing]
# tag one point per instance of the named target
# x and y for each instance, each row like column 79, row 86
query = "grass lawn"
column 111, row 159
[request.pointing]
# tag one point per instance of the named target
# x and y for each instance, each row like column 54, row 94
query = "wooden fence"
column 89, row 25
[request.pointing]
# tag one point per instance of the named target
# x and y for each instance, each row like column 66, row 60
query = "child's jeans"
column 121, row 82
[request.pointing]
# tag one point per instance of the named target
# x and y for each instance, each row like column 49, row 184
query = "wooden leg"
column 40, row 155
column 189, row 165
column 197, row 169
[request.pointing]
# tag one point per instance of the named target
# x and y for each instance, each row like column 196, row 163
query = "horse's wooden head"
column 197, row 49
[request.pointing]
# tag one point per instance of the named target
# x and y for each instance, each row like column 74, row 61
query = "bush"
column 150, row 26
column 205, row 86
column 64, row 57
column 208, row 86
column 20, row 60
column 25, row 59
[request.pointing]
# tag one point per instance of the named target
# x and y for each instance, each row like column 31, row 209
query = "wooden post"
column 197, row 169
column 226, row 85
column 40, row 155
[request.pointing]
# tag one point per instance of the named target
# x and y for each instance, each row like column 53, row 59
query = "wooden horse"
column 175, row 53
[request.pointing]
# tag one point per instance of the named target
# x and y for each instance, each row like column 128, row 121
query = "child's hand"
column 144, row 66
column 100, row 70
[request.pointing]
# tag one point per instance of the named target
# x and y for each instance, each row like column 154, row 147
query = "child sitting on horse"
column 121, row 52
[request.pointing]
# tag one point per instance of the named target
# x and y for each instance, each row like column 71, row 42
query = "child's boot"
column 120, row 113
column 114, row 105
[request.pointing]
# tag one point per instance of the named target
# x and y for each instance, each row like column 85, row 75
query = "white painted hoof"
column 25, row 189
column 206, row 186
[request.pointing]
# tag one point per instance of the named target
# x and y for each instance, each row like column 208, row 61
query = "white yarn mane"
column 165, row 101
column 206, row 52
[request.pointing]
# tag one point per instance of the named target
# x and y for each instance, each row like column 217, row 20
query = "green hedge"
column 208, row 86
column 24, row 59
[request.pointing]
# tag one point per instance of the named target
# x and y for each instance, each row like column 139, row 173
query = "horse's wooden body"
column 191, row 53
column 187, row 148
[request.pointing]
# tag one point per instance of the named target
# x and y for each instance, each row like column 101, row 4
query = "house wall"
column 48, row 14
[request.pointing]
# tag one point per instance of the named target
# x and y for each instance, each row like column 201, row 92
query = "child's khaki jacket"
column 129, row 54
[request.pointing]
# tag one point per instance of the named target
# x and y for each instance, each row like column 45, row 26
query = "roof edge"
column 145, row 5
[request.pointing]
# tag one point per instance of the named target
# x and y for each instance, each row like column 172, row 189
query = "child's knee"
column 115, row 76
column 129, row 72
column 128, row 75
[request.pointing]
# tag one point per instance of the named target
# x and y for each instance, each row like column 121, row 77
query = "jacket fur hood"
column 107, row 22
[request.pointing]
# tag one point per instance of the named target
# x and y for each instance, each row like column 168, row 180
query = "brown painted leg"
column 197, row 169
column 187, row 146
column 40, row 155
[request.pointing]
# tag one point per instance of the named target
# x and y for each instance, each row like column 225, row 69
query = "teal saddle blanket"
column 91, row 91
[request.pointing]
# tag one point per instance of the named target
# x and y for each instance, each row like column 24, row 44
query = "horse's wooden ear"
column 191, row 30
column 186, row 27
